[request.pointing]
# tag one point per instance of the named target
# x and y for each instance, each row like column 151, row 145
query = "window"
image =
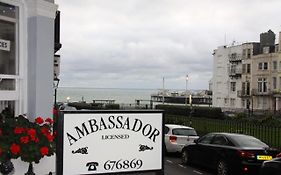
column 243, row 68
column 225, row 101
column 248, row 88
column 233, row 56
column 279, row 82
column 244, row 53
column 206, row 139
column 9, row 61
column 274, row 83
column 260, row 66
column 274, row 65
column 232, row 102
column 184, row 132
column 219, row 140
column 262, row 85
column 248, row 68
column 248, row 103
column 249, row 53
column 248, row 141
column 233, row 86
column 233, row 69
column 263, row 66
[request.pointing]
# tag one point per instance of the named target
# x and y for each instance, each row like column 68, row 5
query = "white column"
column 40, row 34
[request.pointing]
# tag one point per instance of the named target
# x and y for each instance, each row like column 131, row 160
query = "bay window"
column 9, row 58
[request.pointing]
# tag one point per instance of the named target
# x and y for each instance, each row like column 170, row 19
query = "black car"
column 229, row 153
column 272, row 167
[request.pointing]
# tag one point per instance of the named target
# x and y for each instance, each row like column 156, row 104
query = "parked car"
column 177, row 136
column 271, row 167
column 229, row 153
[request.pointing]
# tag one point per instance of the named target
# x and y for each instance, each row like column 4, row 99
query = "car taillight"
column 278, row 155
column 246, row 154
column 173, row 138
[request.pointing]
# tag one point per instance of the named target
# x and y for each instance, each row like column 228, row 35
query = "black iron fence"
column 268, row 134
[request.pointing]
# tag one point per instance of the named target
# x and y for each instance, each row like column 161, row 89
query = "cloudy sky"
column 135, row 43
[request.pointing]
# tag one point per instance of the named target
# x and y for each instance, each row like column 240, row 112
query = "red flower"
column 1, row 151
column 49, row 120
column 39, row 120
column 33, row 138
column 36, row 140
column 15, row 149
column 50, row 137
column 18, row 130
column 24, row 139
column 44, row 130
column 44, row 150
column 31, row 132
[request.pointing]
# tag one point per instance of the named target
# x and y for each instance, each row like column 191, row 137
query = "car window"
column 248, row 141
column 206, row 139
column 184, row 132
column 166, row 130
column 220, row 140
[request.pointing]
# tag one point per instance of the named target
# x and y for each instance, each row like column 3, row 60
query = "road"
column 173, row 166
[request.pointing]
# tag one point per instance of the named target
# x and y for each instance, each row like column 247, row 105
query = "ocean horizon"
column 88, row 94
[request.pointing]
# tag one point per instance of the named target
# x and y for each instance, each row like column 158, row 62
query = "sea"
column 120, row 95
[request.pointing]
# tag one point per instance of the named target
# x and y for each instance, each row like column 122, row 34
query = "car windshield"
column 248, row 141
column 184, row 132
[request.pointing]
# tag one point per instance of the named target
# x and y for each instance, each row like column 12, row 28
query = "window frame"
column 19, row 94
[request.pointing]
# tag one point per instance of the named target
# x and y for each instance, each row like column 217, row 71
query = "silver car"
column 177, row 136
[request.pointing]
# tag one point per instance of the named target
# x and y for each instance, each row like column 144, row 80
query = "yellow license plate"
column 261, row 157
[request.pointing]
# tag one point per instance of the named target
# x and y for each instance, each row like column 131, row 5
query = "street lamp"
column 186, row 81
column 67, row 99
column 56, row 85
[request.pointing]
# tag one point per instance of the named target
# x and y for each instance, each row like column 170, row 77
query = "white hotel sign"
column 110, row 142
column 4, row 45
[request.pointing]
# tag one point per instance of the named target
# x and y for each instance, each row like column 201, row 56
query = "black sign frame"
column 60, row 138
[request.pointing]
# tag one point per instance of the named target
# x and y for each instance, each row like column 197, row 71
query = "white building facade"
column 247, row 77
column 227, row 76
column 26, row 63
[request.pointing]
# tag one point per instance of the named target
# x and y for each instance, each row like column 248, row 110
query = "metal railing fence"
column 268, row 134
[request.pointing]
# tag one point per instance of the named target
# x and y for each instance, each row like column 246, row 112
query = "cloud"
column 135, row 43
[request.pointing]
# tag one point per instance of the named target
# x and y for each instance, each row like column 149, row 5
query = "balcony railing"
column 235, row 57
column 277, row 92
column 256, row 92
column 235, row 72
column 241, row 93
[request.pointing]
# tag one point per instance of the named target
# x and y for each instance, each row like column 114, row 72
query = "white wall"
column 37, row 45
column 221, row 79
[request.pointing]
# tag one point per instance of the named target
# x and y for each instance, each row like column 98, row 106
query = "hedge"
column 200, row 112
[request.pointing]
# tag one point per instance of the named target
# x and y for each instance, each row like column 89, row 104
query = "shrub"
column 202, row 112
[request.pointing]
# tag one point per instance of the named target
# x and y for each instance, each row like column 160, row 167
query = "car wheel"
column 222, row 168
column 185, row 157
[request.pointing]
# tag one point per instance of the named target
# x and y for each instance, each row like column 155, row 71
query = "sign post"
column 110, row 142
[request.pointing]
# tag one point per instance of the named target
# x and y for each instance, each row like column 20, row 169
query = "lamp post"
column 186, row 81
column 163, row 93
column 56, row 85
